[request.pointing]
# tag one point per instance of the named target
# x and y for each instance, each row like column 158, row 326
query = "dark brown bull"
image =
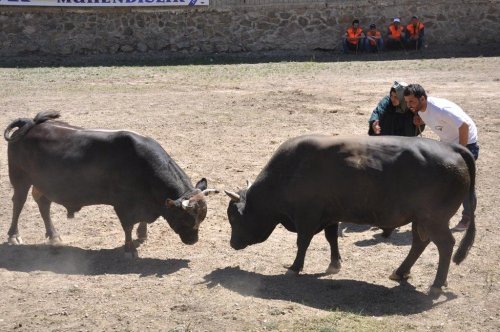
column 313, row 182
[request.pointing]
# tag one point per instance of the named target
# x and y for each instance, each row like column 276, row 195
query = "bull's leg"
column 331, row 234
column 44, row 207
column 303, row 241
column 128, row 226
column 142, row 232
column 386, row 232
column 18, row 200
column 417, row 247
column 130, row 249
column 444, row 241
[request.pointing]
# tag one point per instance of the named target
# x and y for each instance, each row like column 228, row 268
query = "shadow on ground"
column 327, row 294
column 73, row 260
column 374, row 235
column 173, row 59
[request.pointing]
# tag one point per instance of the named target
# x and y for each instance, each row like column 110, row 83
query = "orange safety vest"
column 414, row 29
column 353, row 35
column 396, row 33
column 372, row 33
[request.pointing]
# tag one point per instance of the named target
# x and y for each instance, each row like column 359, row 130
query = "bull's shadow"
column 78, row 261
column 399, row 237
column 326, row 294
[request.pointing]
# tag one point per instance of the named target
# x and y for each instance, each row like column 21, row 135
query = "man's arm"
column 463, row 134
column 377, row 113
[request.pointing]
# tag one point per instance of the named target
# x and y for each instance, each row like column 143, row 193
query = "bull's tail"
column 470, row 234
column 25, row 125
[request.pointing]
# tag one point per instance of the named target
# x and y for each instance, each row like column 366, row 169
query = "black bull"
column 76, row 167
column 313, row 182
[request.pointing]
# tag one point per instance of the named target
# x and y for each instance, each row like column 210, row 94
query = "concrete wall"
column 235, row 26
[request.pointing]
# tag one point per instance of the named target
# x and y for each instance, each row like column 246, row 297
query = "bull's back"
column 361, row 178
column 74, row 166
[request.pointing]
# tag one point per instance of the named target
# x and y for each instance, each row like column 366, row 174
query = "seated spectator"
column 392, row 117
column 374, row 41
column 395, row 35
column 415, row 33
column 353, row 38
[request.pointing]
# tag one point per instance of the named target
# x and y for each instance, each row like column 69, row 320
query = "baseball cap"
column 396, row 19
column 372, row 25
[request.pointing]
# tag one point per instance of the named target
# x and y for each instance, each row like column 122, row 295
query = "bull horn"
column 185, row 204
column 234, row 196
column 208, row 192
column 249, row 184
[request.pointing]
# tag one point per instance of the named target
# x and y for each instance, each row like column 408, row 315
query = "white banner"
column 103, row 3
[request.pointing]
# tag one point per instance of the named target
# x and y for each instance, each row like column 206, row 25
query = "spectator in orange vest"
column 395, row 35
column 354, row 38
column 415, row 33
column 374, row 41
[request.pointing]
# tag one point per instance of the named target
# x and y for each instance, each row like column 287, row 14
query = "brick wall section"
column 235, row 26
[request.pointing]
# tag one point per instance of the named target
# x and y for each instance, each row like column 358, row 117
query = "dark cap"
column 372, row 26
column 415, row 16
column 355, row 21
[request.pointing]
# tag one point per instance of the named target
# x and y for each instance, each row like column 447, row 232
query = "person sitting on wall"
column 353, row 38
column 415, row 33
column 395, row 35
column 374, row 41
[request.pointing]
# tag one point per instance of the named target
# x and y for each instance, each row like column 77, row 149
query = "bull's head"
column 248, row 224
column 186, row 213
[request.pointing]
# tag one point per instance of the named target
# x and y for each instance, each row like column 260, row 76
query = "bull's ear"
column 234, row 196
column 202, row 184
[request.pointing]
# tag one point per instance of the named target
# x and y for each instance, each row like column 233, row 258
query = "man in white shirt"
column 447, row 120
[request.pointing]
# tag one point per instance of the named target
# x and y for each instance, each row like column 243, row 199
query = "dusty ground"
column 223, row 123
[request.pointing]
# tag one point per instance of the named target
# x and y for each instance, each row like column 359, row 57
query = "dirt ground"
column 223, row 122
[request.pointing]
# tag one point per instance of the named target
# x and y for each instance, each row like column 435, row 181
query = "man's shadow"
column 77, row 261
column 326, row 294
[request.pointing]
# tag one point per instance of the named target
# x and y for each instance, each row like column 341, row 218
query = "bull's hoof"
column 55, row 241
column 396, row 277
column 290, row 272
column 435, row 292
column 131, row 254
column 333, row 268
column 15, row 240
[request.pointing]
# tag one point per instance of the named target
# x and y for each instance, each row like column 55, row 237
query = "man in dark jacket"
column 392, row 117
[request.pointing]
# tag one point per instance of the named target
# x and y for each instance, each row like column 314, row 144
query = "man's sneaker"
column 463, row 224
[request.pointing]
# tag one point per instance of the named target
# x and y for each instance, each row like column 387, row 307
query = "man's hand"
column 376, row 127
column 417, row 120
column 463, row 134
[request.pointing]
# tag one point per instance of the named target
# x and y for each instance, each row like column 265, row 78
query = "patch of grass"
column 344, row 321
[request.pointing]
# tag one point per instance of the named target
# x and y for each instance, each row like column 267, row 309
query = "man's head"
column 414, row 19
column 373, row 26
column 355, row 23
column 415, row 97
column 396, row 21
column 396, row 94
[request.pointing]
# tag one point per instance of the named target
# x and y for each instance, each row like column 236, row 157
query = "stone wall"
column 234, row 26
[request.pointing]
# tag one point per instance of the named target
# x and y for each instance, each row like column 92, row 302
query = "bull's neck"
column 176, row 182
column 263, row 205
